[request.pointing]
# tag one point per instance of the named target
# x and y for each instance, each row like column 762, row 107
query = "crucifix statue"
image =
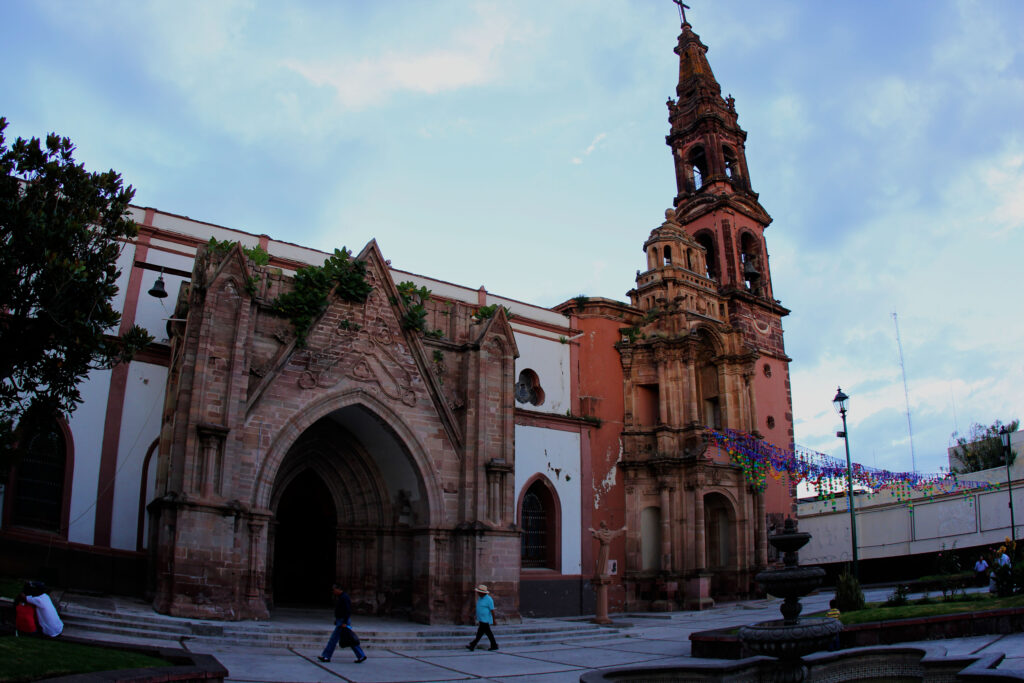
column 603, row 535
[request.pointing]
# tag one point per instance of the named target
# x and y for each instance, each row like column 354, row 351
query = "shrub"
column 849, row 596
column 898, row 597
column 1009, row 580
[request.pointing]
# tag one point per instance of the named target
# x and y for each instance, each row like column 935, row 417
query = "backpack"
column 25, row 618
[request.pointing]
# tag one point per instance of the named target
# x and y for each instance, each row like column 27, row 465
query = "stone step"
column 268, row 634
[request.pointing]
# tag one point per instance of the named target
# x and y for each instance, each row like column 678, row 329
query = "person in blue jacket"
column 342, row 628
column 484, row 618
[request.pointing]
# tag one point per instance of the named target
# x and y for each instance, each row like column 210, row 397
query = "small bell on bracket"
column 158, row 290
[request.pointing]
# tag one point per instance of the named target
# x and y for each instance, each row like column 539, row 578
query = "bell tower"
column 714, row 199
column 703, row 356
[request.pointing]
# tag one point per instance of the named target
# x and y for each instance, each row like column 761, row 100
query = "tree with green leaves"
column 62, row 229
column 981, row 449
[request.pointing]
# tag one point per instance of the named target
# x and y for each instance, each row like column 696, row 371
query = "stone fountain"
column 791, row 637
column 787, row 640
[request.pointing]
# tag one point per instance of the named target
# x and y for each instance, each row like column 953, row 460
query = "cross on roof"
column 682, row 10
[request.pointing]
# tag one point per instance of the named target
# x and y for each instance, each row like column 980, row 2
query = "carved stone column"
column 498, row 472
column 760, row 532
column 698, row 585
column 666, row 524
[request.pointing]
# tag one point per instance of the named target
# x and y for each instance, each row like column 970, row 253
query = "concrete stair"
column 139, row 627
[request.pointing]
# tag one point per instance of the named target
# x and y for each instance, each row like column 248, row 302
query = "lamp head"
column 840, row 401
column 1004, row 436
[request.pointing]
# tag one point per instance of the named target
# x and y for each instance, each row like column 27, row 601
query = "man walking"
column 343, row 632
column 484, row 618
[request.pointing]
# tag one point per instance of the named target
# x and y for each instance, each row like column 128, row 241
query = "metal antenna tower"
column 906, row 394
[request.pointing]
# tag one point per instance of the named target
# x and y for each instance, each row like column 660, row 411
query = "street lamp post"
column 1004, row 436
column 839, row 402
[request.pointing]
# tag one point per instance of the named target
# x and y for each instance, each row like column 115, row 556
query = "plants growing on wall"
column 312, row 284
column 630, row 333
column 414, row 304
column 487, row 312
column 255, row 254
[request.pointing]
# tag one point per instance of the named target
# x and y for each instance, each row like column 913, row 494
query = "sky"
column 521, row 146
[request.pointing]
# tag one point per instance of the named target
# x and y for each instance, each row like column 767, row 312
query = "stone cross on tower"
column 682, row 10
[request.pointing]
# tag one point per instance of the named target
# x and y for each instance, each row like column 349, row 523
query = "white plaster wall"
column 188, row 226
column 124, row 263
column 556, row 455
column 994, row 509
column 86, row 425
column 830, row 538
column 945, row 518
column 893, row 529
column 140, row 427
column 549, row 358
column 888, row 527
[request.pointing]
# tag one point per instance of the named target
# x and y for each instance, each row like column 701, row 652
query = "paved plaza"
column 638, row 640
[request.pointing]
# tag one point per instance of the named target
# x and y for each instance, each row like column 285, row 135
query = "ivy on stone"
column 487, row 312
column 308, row 298
column 256, row 254
column 414, row 304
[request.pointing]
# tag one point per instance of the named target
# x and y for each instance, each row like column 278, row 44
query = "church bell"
column 158, row 290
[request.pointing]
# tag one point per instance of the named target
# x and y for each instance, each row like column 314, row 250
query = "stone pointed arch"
column 293, row 429
column 498, row 329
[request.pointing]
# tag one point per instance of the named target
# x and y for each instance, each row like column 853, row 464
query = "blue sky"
column 520, row 146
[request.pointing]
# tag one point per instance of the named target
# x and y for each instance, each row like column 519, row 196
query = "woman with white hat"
column 484, row 618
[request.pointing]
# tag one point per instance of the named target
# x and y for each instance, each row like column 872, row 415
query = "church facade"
column 412, row 438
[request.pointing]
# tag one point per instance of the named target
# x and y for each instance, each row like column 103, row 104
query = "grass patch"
column 10, row 587
column 24, row 659
column 935, row 578
column 879, row 611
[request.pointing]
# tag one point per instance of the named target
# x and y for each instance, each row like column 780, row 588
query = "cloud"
column 594, row 144
column 937, row 264
column 470, row 60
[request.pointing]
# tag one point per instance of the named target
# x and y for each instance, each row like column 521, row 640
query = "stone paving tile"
column 526, row 649
column 597, row 658
column 671, row 648
column 1012, row 664
column 959, row 646
column 396, row 670
column 562, row 677
column 277, row 668
column 1011, row 645
column 495, row 664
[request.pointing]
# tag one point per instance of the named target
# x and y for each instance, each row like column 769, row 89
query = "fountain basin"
column 892, row 664
column 790, row 641
column 791, row 582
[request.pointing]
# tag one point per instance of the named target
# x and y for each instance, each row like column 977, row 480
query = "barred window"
column 539, row 518
column 535, row 537
column 39, row 488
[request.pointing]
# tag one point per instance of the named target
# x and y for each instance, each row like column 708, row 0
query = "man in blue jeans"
column 342, row 628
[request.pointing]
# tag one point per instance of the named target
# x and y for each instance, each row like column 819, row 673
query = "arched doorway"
column 720, row 537
column 304, row 552
column 348, row 500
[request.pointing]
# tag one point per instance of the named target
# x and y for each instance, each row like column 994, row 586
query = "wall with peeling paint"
column 549, row 358
column 556, row 455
